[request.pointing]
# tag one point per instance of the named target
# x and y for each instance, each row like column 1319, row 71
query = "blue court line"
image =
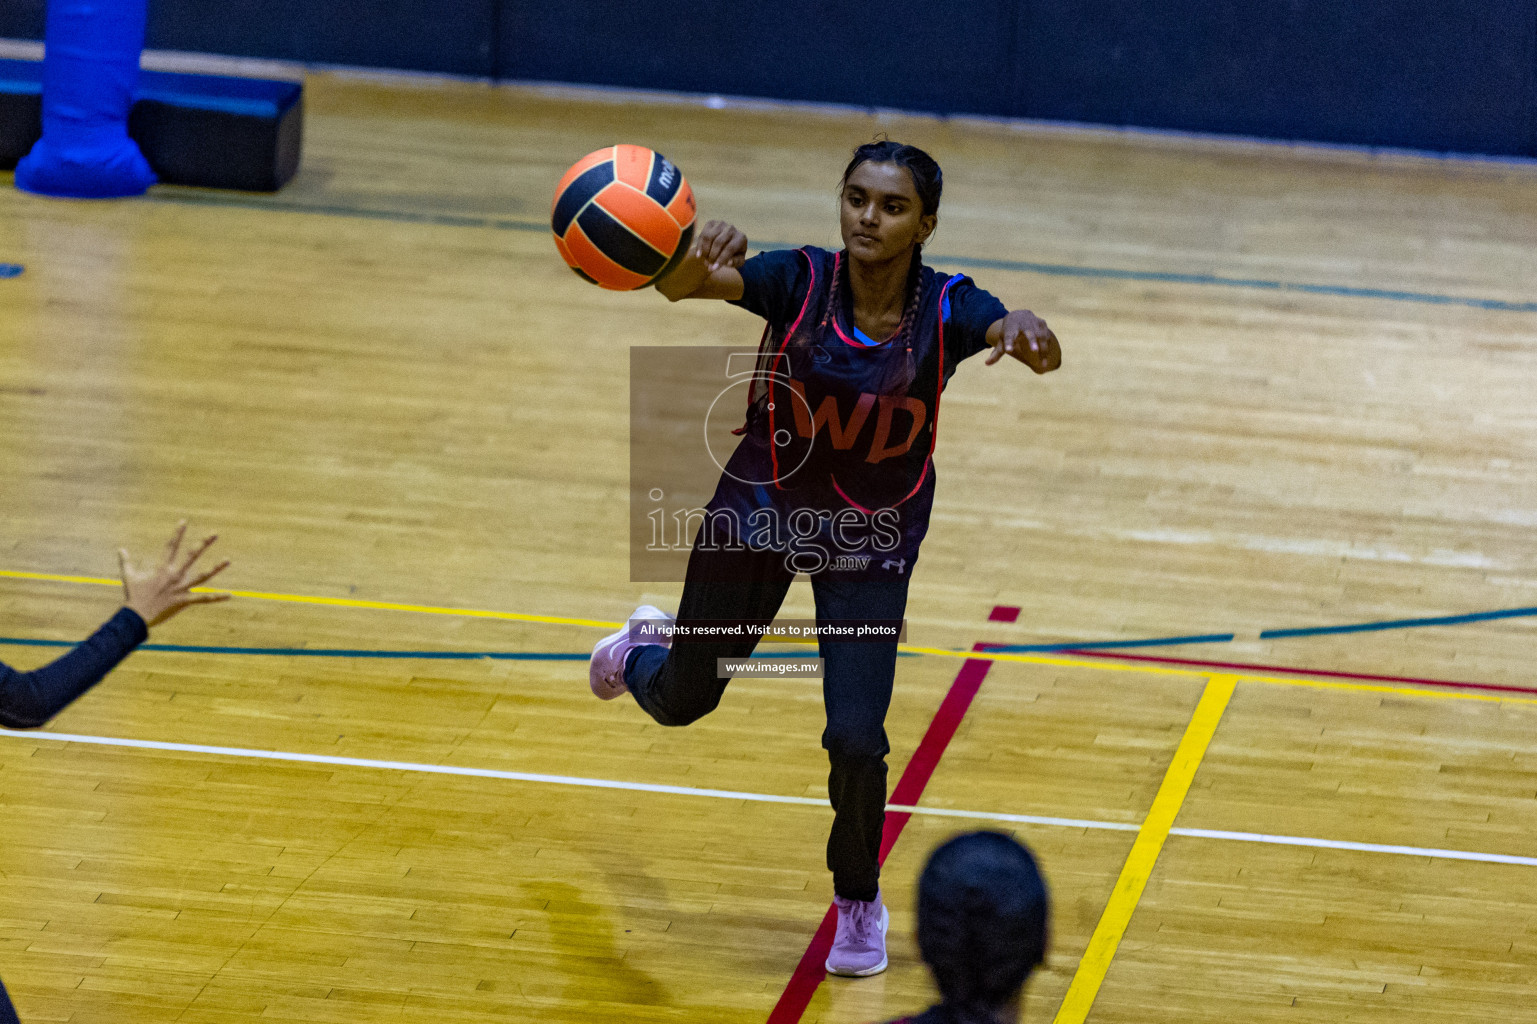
column 1346, row 291
column 453, row 220
column 319, row 652
column 1090, row 645
column 1370, row 627
column 1170, row 277
column 1024, row 266
column 11, row 269
column 335, row 652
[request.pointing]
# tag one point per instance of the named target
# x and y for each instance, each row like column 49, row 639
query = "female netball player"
column 982, row 928
column 832, row 477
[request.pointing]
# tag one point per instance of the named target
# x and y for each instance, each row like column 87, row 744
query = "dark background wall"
column 1455, row 75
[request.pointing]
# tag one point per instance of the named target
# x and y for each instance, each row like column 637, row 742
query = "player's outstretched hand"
column 720, row 245
column 157, row 594
column 1026, row 337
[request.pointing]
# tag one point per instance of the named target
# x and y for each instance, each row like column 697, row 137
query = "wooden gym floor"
column 381, row 386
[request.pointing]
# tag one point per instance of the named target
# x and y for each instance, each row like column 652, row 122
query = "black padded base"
column 209, row 131
column 21, row 118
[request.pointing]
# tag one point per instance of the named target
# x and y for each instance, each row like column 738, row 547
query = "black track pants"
column 679, row 686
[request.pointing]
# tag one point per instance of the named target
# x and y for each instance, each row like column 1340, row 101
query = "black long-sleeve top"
column 29, row 699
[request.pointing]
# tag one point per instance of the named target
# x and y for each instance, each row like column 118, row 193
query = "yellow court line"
column 1144, row 852
column 1316, row 684
column 336, row 602
column 1047, row 659
column 473, row 613
column 938, row 652
column 56, row 578
column 1402, row 691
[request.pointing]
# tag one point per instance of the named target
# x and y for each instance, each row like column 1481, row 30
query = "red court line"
column 1322, row 673
column 813, row 963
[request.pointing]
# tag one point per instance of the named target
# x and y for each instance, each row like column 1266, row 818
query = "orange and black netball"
column 622, row 216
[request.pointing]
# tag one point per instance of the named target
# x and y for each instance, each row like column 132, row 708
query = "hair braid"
column 967, row 1014
column 833, row 292
column 901, row 369
column 909, row 321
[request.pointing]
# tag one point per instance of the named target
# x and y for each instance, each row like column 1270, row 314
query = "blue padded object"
column 209, row 131
column 90, row 69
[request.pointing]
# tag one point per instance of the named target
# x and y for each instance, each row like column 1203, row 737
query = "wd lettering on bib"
column 844, row 433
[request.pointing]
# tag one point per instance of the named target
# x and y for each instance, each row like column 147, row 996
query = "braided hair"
column 982, row 923
column 929, row 183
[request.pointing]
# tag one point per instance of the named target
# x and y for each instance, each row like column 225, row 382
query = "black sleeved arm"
column 29, row 699
column 774, row 285
column 970, row 312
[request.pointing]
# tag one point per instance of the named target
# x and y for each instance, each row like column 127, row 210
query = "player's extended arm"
column 30, row 699
column 1026, row 337
column 709, row 271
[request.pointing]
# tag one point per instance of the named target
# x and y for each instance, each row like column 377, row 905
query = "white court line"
column 409, row 766
column 1339, row 844
column 1024, row 819
column 767, row 798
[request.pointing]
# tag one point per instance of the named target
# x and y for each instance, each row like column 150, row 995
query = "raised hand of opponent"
column 159, row 593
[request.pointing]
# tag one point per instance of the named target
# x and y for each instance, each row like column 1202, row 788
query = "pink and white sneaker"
column 605, row 672
column 859, row 947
